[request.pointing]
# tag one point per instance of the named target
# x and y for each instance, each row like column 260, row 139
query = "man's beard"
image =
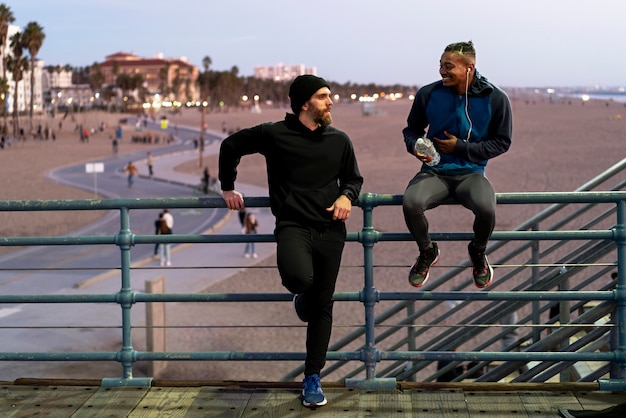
column 319, row 117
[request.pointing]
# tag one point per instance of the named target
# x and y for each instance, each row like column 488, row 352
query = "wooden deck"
column 29, row 398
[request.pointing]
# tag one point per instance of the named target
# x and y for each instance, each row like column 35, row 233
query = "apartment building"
column 282, row 72
column 173, row 78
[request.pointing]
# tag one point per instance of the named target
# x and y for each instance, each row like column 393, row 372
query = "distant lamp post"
column 257, row 108
column 203, row 127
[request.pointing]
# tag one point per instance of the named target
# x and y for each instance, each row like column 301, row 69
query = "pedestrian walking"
column 251, row 224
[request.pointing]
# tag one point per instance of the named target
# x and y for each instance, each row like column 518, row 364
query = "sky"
column 524, row 43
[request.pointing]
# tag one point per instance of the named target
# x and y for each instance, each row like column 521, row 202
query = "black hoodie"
column 306, row 170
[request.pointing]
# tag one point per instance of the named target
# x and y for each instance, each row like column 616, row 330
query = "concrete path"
column 193, row 265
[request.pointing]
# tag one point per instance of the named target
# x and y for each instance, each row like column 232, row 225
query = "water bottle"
column 425, row 146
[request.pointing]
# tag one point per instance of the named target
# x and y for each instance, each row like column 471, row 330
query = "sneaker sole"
column 313, row 404
column 427, row 274
column 490, row 280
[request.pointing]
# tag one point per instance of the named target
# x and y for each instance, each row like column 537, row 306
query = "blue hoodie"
column 440, row 109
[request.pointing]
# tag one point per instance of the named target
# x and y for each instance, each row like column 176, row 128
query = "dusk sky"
column 529, row 43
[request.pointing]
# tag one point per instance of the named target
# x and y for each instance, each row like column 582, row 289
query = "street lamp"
column 202, row 128
column 257, row 108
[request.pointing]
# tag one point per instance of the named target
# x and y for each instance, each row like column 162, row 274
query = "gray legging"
column 426, row 191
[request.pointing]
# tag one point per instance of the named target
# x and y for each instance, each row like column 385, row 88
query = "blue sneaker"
column 312, row 394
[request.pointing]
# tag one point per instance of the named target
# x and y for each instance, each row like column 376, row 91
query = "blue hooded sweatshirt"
column 485, row 135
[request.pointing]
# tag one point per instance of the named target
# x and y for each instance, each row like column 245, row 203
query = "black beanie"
column 302, row 88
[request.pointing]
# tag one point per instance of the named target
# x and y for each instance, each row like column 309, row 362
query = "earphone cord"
column 469, row 131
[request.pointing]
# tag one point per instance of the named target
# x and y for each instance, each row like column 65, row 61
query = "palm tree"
column 32, row 40
column 163, row 80
column 6, row 18
column 95, row 76
column 95, row 79
column 123, row 81
column 4, row 92
column 17, row 65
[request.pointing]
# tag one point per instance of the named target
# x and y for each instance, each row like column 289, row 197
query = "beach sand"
column 556, row 147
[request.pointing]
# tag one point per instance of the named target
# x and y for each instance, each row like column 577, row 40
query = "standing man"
column 313, row 180
column 469, row 121
column 167, row 227
column 150, row 163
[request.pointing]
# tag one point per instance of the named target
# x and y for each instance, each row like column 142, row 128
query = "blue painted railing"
column 369, row 296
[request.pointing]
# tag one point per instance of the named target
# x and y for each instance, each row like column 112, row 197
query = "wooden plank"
column 444, row 403
column 342, row 402
column 219, row 402
column 111, row 402
column 28, row 401
column 228, row 401
column 597, row 401
column 14, row 400
column 491, row 404
column 274, row 403
column 546, row 404
column 385, row 404
column 165, row 402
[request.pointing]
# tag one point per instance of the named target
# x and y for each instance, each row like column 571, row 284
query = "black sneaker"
column 421, row 269
column 299, row 307
column 481, row 270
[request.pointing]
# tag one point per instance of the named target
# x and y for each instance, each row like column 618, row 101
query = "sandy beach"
column 556, row 147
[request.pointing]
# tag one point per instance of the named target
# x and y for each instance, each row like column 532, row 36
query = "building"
column 281, row 72
column 23, row 90
column 171, row 78
column 56, row 77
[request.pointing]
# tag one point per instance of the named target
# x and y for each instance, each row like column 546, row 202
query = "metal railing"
column 369, row 354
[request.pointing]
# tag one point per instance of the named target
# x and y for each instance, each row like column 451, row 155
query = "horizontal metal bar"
column 217, row 202
column 331, row 355
column 139, row 297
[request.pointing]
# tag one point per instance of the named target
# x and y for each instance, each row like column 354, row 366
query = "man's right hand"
column 233, row 199
column 423, row 158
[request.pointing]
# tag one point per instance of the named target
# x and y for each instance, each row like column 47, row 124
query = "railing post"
column 126, row 356
column 411, row 335
column 535, row 274
column 619, row 383
column 370, row 297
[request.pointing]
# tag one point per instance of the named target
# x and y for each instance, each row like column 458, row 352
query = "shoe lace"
column 424, row 261
column 480, row 265
column 421, row 267
column 480, row 271
column 312, row 383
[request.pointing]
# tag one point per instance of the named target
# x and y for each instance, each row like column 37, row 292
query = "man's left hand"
column 446, row 145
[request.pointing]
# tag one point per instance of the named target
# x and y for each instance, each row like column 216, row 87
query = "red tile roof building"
column 171, row 77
